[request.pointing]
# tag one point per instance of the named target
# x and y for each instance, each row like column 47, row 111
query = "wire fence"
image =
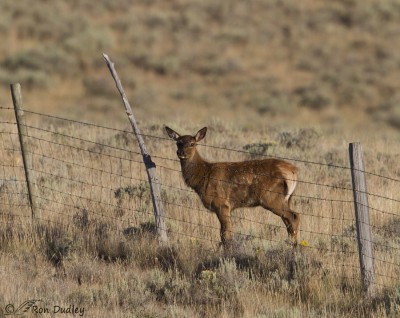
column 87, row 174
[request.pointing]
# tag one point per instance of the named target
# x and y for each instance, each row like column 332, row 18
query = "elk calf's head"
column 186, row 144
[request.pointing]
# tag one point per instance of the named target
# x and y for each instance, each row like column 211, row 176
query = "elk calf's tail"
column 290, row 177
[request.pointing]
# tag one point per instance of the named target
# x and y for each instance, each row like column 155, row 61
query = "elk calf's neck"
column 225, row 186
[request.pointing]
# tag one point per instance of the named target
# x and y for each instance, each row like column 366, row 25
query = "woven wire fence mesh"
column 92, row 178
column 14, row 200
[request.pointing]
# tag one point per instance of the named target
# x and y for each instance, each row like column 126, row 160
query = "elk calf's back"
column 225, row 186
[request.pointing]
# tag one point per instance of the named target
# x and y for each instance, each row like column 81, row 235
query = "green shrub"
column 88, row 44
column 163, row 65
column 388, row 112
column 57, row 243
column 259, row 148
column 303, row 139
column 313, row 97
column 215, row 65
column 27, row 78
column 272, row 104
column 99, row 86
column 46, row 60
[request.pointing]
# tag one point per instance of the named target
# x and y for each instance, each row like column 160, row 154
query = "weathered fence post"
column 362, row 218
column 24, row 142
column 150, row 165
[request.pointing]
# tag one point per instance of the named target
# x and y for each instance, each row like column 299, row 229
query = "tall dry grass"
column 93, row 241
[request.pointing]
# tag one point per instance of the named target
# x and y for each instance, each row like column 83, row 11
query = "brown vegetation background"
column 254, row 63
column 293, row 79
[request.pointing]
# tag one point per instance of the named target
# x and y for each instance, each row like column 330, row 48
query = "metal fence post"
column 150, row 165
column 362, row 218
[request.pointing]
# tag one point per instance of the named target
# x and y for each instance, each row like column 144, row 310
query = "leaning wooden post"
column 24, row 142
column 362, row 218
column 150, row 165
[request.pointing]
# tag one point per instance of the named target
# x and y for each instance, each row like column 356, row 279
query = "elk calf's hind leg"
column 277, row 204
column 295, row 221
column 292, row 220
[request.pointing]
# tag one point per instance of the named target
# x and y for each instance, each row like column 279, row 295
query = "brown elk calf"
column 225, row 186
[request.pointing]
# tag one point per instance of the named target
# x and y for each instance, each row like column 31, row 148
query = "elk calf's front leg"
column 226, row 228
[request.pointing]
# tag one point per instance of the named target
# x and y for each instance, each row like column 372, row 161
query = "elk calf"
column 225, row 186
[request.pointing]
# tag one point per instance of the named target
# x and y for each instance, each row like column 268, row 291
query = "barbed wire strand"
column 165, row 158
column 211, row 146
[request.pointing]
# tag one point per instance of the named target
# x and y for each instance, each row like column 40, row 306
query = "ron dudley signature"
column 37, row 306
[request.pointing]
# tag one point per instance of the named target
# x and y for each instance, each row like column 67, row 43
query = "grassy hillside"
column 280, row 61
column 292, row 79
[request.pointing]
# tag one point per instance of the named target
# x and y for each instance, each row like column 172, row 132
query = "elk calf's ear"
column 200, row 134
column 171, row 133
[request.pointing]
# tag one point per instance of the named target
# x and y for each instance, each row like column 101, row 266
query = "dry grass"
column 94, row 244
column 293, row 79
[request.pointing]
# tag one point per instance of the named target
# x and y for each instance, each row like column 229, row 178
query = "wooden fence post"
column 150, row 165
column 24, row 142
column 362, row 218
